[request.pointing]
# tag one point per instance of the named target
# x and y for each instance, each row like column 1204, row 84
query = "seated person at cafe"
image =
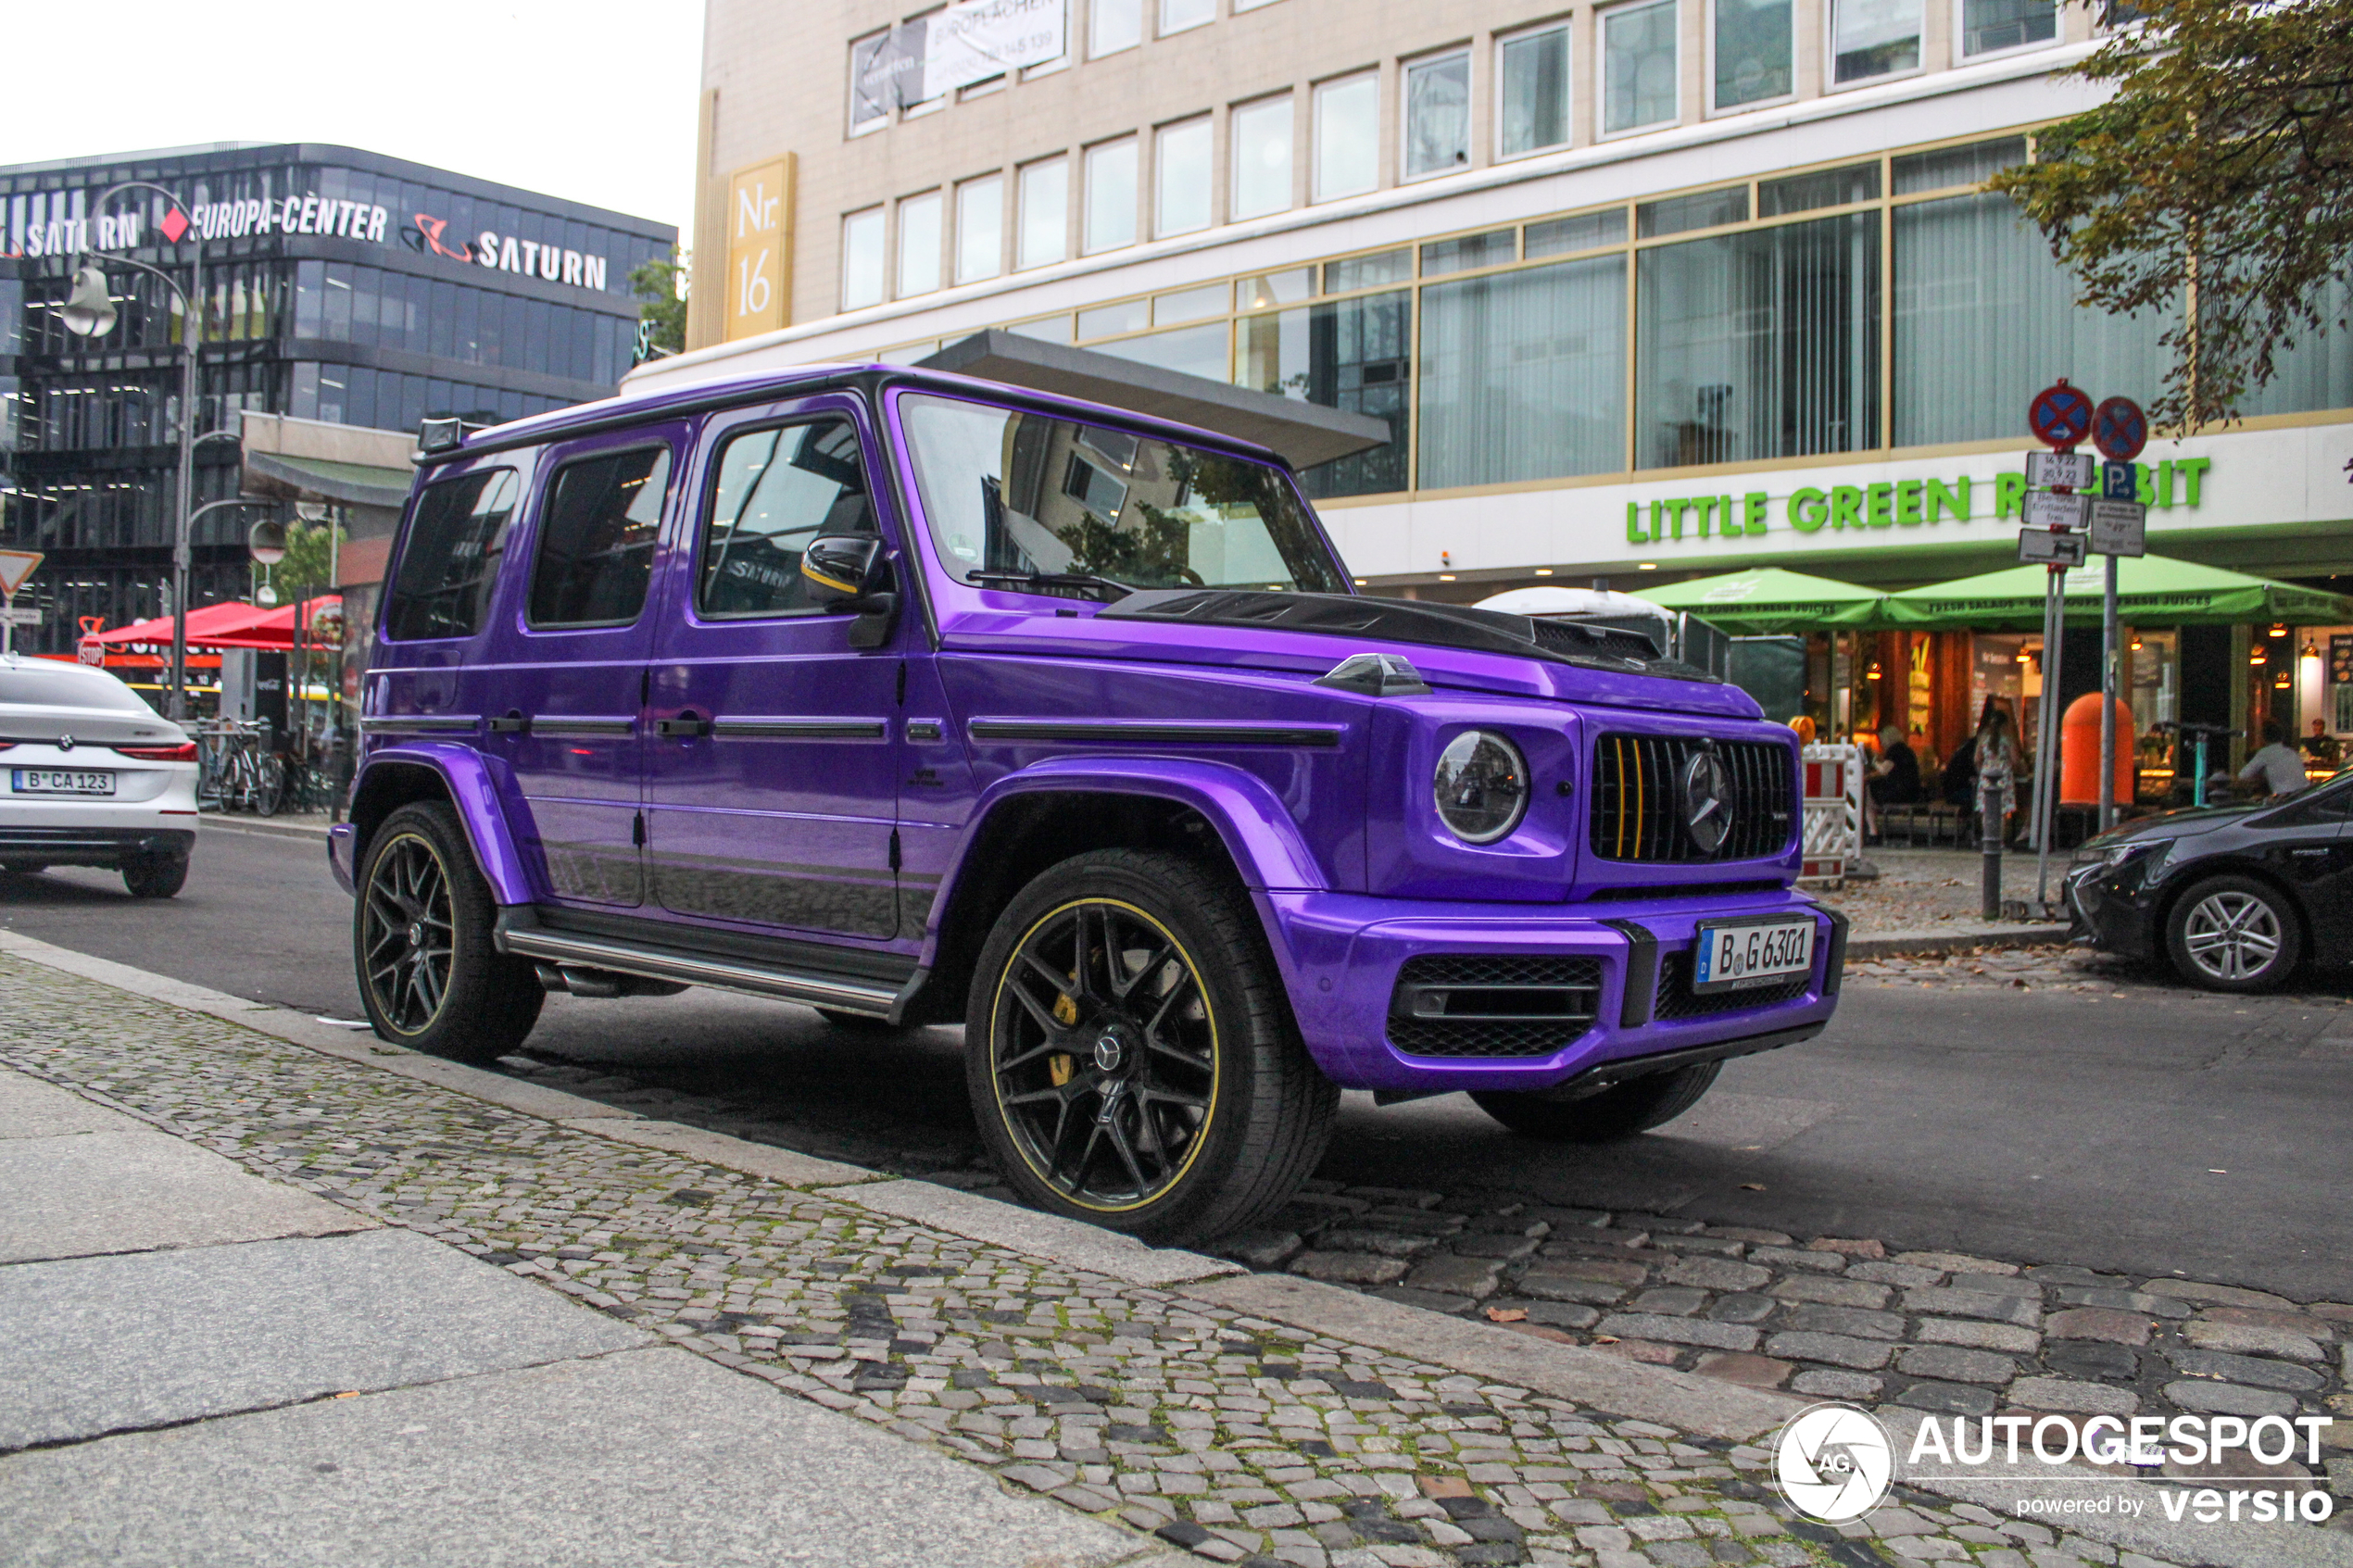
column 1895, row 777
column 2322, row 747
column 2276, row 770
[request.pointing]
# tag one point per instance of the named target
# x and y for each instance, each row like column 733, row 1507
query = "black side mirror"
column 841, row 569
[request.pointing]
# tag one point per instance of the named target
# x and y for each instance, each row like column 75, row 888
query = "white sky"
column 590, row 99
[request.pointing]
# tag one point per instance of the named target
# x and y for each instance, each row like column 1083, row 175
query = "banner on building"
column 969, row 42
column 758, row 248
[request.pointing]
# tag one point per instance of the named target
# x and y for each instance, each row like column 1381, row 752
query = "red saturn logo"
column 431, row 229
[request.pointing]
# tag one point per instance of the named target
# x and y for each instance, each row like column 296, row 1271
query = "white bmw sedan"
column 92, row 777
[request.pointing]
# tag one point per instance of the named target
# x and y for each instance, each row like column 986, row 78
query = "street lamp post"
column 90, row 312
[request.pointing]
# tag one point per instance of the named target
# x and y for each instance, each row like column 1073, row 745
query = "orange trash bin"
column 2080, row 752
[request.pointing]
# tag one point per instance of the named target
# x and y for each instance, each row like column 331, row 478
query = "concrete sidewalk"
column 209, row 1367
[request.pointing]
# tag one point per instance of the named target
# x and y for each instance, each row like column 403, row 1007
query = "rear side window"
column 597, row 539
column 456, row 539
column 776, row 490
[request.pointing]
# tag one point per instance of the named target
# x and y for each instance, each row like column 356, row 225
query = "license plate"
column 60, row 781
column 1734, row 955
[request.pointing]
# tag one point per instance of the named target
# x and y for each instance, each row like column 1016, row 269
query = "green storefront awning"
column 1766, row 601
column 2152, row 591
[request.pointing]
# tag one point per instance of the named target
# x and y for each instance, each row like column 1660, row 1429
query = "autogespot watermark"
column 1835, row 1462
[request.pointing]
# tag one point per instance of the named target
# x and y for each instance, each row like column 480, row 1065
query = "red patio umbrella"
column 206, row 620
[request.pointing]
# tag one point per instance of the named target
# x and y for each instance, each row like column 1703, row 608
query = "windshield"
column 1011, row 495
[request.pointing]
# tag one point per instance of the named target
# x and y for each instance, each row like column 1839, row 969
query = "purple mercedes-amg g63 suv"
column 919, row 699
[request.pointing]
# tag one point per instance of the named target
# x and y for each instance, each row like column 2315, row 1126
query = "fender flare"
column 1260, row 836
column 479, row 788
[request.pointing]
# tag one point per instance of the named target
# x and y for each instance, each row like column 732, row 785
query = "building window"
column 1531, row 74
column 1175, row 16
column 1181, row 173
column 1437, row 115
column 862, row 259
column 873, row 84
column 1111, row 196
column 1346, row 136
column 919, row 245
column 1261, row 158
column 980, row 228
column 1753, row 47
column 1638, row 67
column 1967, row 264
column 1196, row 351
column 1351, row 354
column 1991, row 26
column 1113, row 25
column 1870, row 38
column 1044, row 213
column 1524, row 374
column 1242, row 6
column 1758, row 344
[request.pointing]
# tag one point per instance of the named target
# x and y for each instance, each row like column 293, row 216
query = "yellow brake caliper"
column 1062, row 1066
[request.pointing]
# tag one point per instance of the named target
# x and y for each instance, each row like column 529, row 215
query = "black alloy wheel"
column 430, row 973
column 1105, row 1058
column 407, row 938
column 1131, row 1054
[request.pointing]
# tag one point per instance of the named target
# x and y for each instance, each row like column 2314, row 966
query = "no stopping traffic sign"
column 2120, row 430
column 2061, row 415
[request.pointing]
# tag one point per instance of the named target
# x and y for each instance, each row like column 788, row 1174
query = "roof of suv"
column 733, row 391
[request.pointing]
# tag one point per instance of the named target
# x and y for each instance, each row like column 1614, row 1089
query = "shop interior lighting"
column 2259, row 658
column 1543, row 571
column 1646, row 566
column 2279, row 631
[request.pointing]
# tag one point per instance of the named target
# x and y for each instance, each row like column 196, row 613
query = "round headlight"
column 1481, row 786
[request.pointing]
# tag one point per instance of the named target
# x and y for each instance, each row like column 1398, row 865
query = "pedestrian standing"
column 1994, row 750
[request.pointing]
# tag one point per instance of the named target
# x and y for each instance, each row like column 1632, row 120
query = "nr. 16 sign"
column 758, row 276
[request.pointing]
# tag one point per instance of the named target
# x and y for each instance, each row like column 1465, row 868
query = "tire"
column 2235, row 934
column 154, row 877
column 447, row 991
column 859, row 1022
column 1629, row 1109
column 1186, row 1107
column 269, row 786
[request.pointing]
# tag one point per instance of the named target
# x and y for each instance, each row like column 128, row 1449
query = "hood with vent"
column 1618, row 649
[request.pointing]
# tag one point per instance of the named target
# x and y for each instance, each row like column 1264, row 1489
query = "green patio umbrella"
column 1766, row 601
column 2152, row 591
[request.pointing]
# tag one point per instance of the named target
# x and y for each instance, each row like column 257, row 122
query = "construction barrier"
column 1833, row 809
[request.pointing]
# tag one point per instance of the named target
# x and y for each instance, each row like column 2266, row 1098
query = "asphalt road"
column 2143, row 1128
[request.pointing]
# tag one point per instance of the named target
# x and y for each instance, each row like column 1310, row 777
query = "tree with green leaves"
column 660, row 286
column 2213, row 187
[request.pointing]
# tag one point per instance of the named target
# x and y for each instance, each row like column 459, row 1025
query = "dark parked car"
column 921, row 700
column 2235, row 897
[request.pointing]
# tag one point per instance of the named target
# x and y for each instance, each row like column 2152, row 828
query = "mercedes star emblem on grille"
column 1707, row 801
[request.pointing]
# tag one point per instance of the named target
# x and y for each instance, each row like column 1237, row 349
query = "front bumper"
column 2114, row 910
column 1342, row 955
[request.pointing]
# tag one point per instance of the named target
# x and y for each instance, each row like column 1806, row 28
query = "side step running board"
column 839, row 992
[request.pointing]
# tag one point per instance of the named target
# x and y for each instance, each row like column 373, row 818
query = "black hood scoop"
column 1409, row 620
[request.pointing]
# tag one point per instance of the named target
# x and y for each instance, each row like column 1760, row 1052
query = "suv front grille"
column 1638, row 812
column 1493, row 1005
column 1675, row 998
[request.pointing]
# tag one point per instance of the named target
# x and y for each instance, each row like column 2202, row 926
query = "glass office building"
column 338, row 286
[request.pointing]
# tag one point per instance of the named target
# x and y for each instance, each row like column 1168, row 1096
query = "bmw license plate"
column 60, row 781
column 1733, row 956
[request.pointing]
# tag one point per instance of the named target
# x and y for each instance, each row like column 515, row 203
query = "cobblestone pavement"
column 1928, row 889
column 1241, row 1439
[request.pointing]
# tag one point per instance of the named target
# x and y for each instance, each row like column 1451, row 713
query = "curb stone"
column 1895, row 943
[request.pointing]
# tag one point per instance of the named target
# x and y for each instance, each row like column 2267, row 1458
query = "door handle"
column 686, row 726
column 513, row 722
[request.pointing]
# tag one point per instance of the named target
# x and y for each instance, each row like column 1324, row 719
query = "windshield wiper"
column 1050, row 582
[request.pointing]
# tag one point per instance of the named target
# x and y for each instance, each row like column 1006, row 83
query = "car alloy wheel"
column 1104, row 1054
column 407, row 937
column 2230, row 935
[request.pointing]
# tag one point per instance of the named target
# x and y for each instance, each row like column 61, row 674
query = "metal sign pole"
column 2047, row 765
column 2108, row 697
column 8, row 624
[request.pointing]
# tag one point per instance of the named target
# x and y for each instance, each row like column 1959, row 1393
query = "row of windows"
column 344, row 303
column 117, row 595
column 463, row 217
column 119, row 509
column 963, row 234
column 354, row 394
column 1765, row 319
